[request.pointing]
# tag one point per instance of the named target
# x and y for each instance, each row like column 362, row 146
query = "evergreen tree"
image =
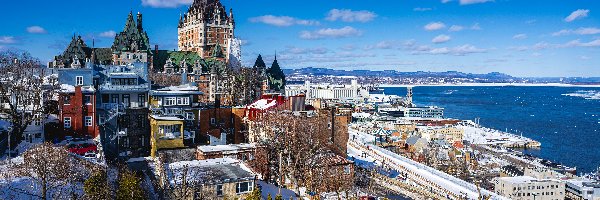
column 255, row 195
column 129, row 186
column 96, row 187
column 278, row 197
column 269, row 197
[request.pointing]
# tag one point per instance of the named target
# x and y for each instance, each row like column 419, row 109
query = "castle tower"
column 205, row 25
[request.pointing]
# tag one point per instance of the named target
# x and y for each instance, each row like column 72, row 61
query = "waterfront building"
column 173, row 118
column 205, row 26
column 77, row 102
column 424, row 112
column 123, row 109
column 448, row 133
column 581, row 189
column 328, row 92
column 529, row 188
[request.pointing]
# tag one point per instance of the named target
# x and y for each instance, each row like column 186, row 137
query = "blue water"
column 567, row 126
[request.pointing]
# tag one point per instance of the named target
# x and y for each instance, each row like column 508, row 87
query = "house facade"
column 174, row 116
column 123, row 109
column 77, row 102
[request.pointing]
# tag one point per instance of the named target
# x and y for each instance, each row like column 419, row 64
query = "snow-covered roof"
column 165, row 118
column 219, row 170
column 226, row 148
column 190, row 88
column 66, row 88
column 263, row 104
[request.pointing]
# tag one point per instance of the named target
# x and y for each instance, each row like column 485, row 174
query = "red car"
column 81, row 149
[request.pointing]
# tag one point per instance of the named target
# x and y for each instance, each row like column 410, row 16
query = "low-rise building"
column 582, row 189
column 529, row 188
column 448, row 133
column 241, row 152
column 77, row 102
column 174, row 118
column 220, row 178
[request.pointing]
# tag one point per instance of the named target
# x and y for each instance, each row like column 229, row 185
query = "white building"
column 582, row 190
column 529, row 188
column 323, row 91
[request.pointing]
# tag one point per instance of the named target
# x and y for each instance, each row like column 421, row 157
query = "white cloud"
column 476, row 27
column 520, row 36
column 418, row 9
column 577, row 43
column 346, row 31
column 441, row 39
column 7, row 40
column 446, row 1
column 298, row 50
column 468, row 2
column 455, row 28
column 584, row 57
column 432, row 26
column 578, row 14
column 282, row 20
column 456, row 51
column 36, row 30
column 108, row 34
column 579, row 31
column 166, row 3
column 382, row 45
column 348, row 15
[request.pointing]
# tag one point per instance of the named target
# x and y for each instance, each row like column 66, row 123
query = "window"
column 170, row 101
column 101, row 120
column 87, row 99
column 88, row 120
column 125, row 100
column 67, row 99
column 142, row 100
column 183, row 101
column 244, row 187
column 213, row 121
column 219, row 190
column 79, row 80
column 189, row 116
column 67, row 122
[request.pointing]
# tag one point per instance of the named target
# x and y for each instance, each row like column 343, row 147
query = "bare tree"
column 53, row 170
column 293, row 145
column 24, row 88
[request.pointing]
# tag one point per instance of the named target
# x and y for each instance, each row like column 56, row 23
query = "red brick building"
column 78, row 111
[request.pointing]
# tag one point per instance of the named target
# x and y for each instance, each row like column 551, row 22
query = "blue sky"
column 520, row 38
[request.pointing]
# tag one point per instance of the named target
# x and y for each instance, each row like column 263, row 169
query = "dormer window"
column 79, row 80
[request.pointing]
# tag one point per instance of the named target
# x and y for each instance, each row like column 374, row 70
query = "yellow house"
column 166, row 133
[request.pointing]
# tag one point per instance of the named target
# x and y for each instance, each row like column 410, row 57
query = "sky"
column 526, row 38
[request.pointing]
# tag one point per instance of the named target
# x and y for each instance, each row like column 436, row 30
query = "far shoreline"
column 491, row 85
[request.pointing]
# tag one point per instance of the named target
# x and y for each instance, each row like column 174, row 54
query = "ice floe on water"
column 587, row 94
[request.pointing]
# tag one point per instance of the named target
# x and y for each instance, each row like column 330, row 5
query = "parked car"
column 90, row 155
column 81, row 149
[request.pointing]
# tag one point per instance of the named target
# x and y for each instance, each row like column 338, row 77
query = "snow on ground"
column 444, row 180
column 482, row 135
column 267, row 189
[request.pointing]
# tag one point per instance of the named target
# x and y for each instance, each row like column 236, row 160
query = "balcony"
column 134, row 88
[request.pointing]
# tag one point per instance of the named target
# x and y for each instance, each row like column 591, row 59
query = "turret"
column 139, row 21
column 231, row 20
